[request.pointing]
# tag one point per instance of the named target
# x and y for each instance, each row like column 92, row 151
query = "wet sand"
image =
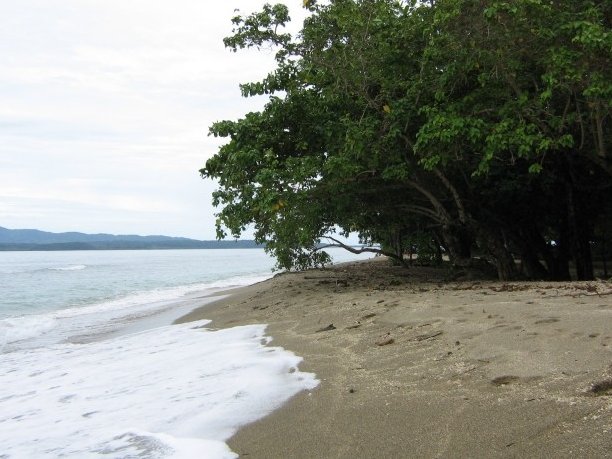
column 414, row 365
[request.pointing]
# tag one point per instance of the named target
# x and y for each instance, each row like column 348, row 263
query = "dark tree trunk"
column 557, row 258
column 493, row 243
column 397, row 244
column 504, row 262
column 533, row 269
column 558, row 265
column 583, row 259
column 531, row 246
column 604, row 255
column 438, row 249
column 458, row 243
column 579, row 238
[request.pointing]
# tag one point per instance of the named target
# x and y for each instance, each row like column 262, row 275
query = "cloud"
column 105, row 111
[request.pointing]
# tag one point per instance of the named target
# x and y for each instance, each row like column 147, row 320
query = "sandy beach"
column 414, row 365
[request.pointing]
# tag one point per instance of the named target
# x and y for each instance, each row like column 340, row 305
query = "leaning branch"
column 450, row 187
column 337, row 243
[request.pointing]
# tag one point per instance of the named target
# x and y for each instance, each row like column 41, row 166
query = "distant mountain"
column 31, row 239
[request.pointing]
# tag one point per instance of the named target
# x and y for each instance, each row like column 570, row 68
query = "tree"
column 465, row 121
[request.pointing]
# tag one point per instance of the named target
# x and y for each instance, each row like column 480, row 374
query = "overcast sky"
column 105, row 107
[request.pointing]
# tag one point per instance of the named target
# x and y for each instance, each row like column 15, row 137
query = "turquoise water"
column 38, row 282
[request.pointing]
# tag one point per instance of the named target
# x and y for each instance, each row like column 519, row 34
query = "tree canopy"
column 477, row 128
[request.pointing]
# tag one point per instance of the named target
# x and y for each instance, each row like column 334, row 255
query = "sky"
column 105, row 107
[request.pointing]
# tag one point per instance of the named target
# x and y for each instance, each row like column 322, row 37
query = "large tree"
column 479, row 126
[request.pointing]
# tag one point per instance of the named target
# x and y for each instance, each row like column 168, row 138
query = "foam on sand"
column 174, row 391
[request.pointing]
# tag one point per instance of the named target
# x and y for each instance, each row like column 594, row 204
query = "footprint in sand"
column 549, row 320
column 504, row 380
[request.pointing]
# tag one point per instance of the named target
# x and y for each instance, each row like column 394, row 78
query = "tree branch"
column 442, row 212
column 455, row 193
column 344, row 246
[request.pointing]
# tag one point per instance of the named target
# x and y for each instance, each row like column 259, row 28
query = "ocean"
column 91, row 365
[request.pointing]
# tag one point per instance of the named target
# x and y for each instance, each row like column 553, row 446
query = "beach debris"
column 328, row 280
column 356, row 325
column 384, row 340
column 318, row 277
column 328, row 328
column 368, row 316
column 351, row 391
column 601, row 388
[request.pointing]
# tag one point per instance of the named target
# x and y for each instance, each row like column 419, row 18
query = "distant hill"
column 31, row 239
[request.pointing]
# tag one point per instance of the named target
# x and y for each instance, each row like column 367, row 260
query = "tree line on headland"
column 479, row 130
column 36, row 240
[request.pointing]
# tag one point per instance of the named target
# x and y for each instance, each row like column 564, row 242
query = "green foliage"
column 478, row 125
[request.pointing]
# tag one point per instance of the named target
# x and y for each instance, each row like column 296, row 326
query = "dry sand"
column 414, row 366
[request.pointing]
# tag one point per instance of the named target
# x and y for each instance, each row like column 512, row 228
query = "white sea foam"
column 176, row 391
column 15, row 329
column 68, row 268
column 150, row 298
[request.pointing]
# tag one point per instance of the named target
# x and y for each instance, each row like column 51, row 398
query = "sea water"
column 91, row 365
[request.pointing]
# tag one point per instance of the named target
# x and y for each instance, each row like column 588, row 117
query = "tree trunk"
column 533, row 269
column 493, row 243
column 557, row 258
column 531, row 246
column 580, row 246
column 583, row 259
column 458, row 243
column 438, row 249
column 604, row 255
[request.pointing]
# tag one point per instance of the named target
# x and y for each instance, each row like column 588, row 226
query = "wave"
column 15, row 329
column 175, row 391
column 31, row 270
column 69, row 268
column 105, row 316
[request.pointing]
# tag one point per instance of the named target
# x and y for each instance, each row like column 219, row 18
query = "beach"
column 412, row 363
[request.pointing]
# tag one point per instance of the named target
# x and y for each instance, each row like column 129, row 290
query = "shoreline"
column 412, row 366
